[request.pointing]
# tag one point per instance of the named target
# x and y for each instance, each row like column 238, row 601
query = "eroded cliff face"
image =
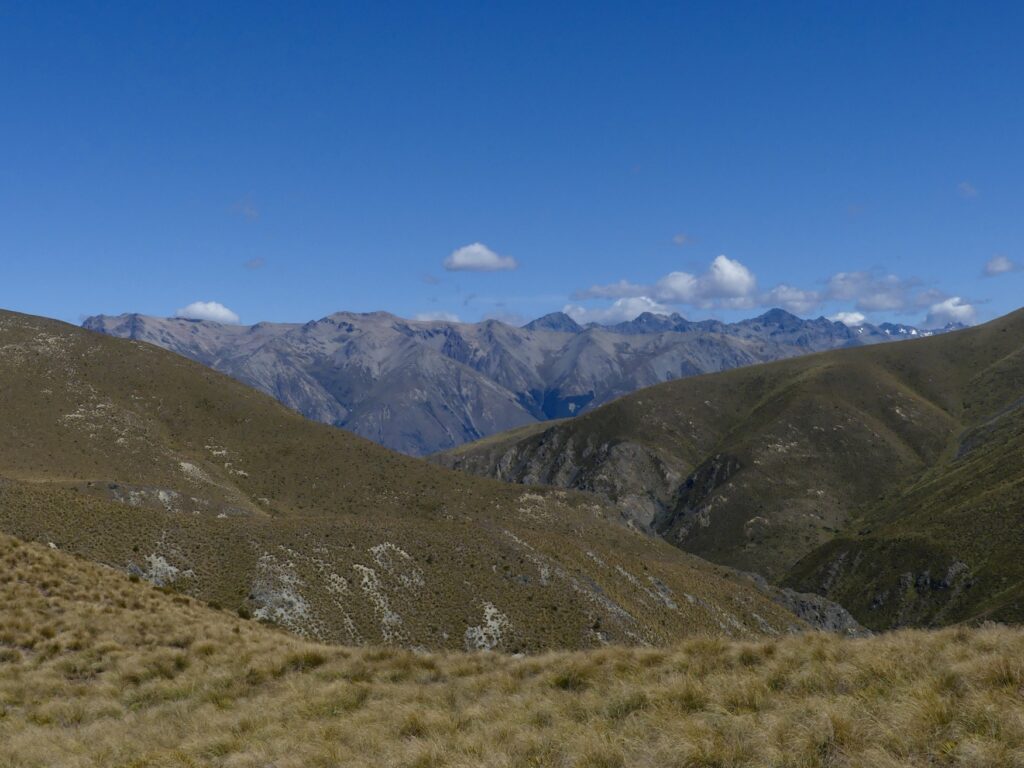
column 642, row 481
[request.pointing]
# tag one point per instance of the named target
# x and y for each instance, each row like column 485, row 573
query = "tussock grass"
column 96, row 670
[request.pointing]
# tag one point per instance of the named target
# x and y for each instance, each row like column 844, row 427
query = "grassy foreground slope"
column 138, row 458
column 96, row 670
column 888, row 478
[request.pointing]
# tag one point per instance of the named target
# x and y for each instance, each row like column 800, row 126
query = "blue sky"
column 289, row 160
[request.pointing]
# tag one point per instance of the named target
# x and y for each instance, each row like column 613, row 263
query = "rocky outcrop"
column 820, row 612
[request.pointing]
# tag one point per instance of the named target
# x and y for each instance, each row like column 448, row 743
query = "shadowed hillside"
column 138, row 458
column 888, row 478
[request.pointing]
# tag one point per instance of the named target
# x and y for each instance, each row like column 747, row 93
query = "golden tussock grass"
column 96, row 670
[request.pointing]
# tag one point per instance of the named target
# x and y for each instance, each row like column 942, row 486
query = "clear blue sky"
column 288, row 160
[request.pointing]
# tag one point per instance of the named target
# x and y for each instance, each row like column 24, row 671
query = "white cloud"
column 726, row 283
column 622, row 310
column 966, row 189
column 208, row 310
column 682, row 239
column 477, row 257
column 852, row 319
column 795, row 300
column 727, row 278
column 952, row 310
column 873, row 292
column 1000, row 265
column 437, row 317
column 257, row 263
column 729, row 284
column 678, row 288
column 877, row 293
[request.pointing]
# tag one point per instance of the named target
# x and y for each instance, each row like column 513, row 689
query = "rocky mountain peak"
column 554, row 321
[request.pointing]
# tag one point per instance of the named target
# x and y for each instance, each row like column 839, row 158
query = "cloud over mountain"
column 727, row 282
column 477, row 257
column 208, row 310
column 951, row 310
column 851, row 319
column 431, row 317
column 622, row 310
column 794, row 299
column 872, row 292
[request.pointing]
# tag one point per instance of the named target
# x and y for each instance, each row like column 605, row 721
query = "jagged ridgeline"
column 141, row 459
column 887, row 478
column 422, row 387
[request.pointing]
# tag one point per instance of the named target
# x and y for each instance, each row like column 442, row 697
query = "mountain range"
column 140, row 459
column 420, row 387
column 888, row 478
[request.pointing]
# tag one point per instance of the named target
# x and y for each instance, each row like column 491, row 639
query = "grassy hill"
column 140, row 459
column 98, row 670
column 888, row 478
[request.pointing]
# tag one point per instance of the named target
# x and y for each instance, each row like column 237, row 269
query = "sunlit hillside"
column 888, row 478
column 98, row 670
column 135, row 457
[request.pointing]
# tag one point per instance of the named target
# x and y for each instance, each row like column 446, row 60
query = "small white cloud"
column 681, row 239
column 851, row 319
column 253, row 264
column 793, row 299
column 621, row 310
column 437, row 317
column 952, row 310
column 966, row 189
column 727, row 279
column 208, row 310
column 1000, row 265
column 477, row 257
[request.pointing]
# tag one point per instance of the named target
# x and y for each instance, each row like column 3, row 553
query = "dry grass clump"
column 98, row 671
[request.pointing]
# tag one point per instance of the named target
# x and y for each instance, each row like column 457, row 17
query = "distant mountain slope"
column 888, row 478
column 141, row 459
column 421, row 387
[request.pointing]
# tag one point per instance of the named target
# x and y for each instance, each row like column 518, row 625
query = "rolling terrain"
column 100, row 670
column 422, row 387
column 140, row 459
column 888, row 478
